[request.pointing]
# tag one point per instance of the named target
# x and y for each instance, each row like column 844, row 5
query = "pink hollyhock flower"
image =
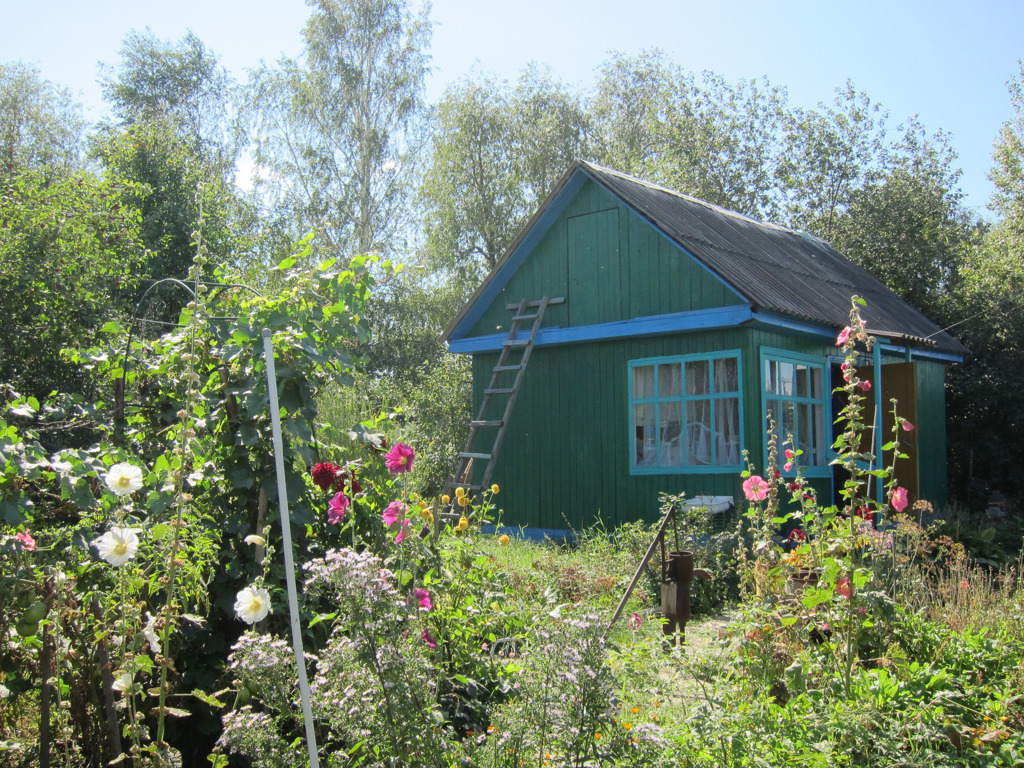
column 788, row 466
column 399, row 459
column 865, row 385
column 844, row 336
column 755, row 488
column 899, row 499
column 398, row 513
column 789, row 455
column 324, row 474
column 907, row 426
column 337, row 507
column 25, row 539
column 843, row 587
column 428, row 639
column 424, row 597
column 636, row 621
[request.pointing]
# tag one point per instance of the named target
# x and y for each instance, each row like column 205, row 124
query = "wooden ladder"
column 508, row 365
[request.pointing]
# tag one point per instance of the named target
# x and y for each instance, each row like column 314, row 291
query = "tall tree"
column 496, row 153
column 828, row 153
column 335, row 131
column 41, row 125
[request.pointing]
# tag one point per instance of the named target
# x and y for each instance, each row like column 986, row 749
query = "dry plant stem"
column 107, row 675
column 45, row 664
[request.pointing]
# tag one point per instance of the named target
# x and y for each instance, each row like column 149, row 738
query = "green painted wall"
column 931, row 431
column 621, row 268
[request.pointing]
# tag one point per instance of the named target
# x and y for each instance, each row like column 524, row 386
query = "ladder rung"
column 525, row 317
column 499, row 368
column 466, row 486
column 516, row 342
column 475, row 455
column 496, row 423
column 502, row 391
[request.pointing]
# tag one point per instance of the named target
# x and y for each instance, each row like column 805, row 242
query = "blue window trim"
column 702, row 469
column 821, row 363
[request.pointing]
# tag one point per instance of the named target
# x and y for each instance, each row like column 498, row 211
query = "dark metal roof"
column 776, row 269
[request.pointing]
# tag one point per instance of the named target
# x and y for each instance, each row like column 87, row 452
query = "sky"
column 946, row 61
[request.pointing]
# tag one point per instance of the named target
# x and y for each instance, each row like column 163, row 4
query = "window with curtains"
column 795, row 399
column 685, row 413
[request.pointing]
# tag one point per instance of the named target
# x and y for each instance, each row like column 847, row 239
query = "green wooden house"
column 684, row 325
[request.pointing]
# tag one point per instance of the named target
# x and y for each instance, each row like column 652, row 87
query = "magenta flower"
column 398, row 513
column 844, row 336
column 636, row 621
column 424, row 597
column 399, row 459
column 907, row 426
column 337, row 507
column 899, row 499
column 755, row 488
column 865, row 385
column 25, row 539
column 428, row 639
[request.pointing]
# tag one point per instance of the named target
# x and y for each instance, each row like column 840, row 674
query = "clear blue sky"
column 944, row 60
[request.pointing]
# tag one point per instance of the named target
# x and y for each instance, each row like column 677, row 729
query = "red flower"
column 348, row 476
column 843, row 587
column 324, row 474
column 864, row 513
column 797, row 534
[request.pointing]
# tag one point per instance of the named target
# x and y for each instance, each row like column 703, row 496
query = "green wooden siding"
column 930, row 432
column 622, row 268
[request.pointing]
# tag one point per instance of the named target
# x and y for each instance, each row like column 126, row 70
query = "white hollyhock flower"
column 118, row 545
column 123, row 682
column 124, row 478
column 150, row 632
column 252, row 604
column 259, row 541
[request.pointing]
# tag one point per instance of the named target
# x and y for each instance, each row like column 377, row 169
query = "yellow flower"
column 446, row 499
column 463, row 523
column 463, row 501
column 504, row 539
column 460, row 492
column 494, row 488
column 426, row 514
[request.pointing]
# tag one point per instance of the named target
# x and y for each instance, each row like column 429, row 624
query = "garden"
column 161, row 581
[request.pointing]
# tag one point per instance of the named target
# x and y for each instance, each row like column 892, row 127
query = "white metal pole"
column 289, row 564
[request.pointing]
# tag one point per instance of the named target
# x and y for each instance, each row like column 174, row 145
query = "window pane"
column 771, row 377
column 816, row 383
column 671, row 425
column 644, row 437
column 727, row 431
column 804, row 439
column 803, row 383
column 698, row 432
column 670, row 380
column 698, row 381
column 817, row 434
column 727, row 377
column 643, row 381
column 788, row 425
column 787, row 372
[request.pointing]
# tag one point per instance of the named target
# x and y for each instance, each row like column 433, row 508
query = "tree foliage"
column 335, row 131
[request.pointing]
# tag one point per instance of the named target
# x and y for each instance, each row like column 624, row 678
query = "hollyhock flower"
column 636, row 621
column 25, row 539
column 865, row 514
column 123, row 682
column 755, row 488
column 907, row 426
column 844, row 336
column 259, row 541
column 337, row 507
column 899, row 499
column 788, row 466
column 424, row 599
column 399, row 459
column 348, row 477
column 118, row 545
column 149, row 631
column 797, row 534
column 865, row 385
column 124, row 478
column 428, row 639
column 398, row 513
column 843, row 587
column 252, row 604
column 324, row 475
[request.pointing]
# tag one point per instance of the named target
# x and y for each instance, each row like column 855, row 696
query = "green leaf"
column 161, row 531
